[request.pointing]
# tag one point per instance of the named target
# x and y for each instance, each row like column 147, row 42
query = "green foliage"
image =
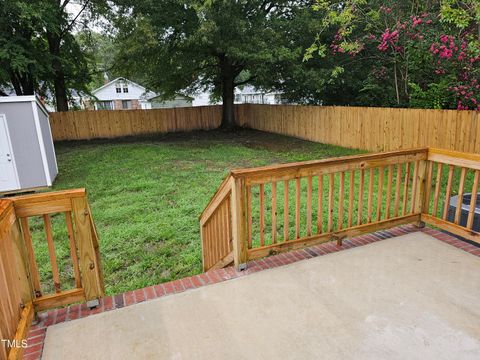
column 410, row 53
column 38, row 50
column 435, row 96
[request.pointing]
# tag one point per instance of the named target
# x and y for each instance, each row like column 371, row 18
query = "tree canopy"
column 408, row 53
column 38, row 50
column 188, row 45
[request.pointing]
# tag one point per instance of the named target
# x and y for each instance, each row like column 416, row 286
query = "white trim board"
column 12, row 153
column 41, row 144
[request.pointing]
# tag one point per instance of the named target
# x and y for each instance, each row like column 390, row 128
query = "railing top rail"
column 51, row 195
column 305, row 168
column 221, row 192
column 4, row 205
column 46, row 203
column 462, row 159
column 7, row 216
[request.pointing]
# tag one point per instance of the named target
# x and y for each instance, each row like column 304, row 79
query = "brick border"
column 37, row 333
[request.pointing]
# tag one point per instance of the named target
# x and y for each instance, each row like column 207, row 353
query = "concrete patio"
column 408, row 297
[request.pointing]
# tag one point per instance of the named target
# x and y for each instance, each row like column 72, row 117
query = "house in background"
column 120, row 94
column 157, row 102
column 251, row 95
column 124, row 94
column 246, row 94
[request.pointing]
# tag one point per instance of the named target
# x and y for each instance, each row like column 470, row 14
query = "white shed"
column 27, row 154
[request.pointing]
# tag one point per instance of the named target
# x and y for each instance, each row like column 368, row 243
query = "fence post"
column 239, row 223
column 420, row 194
column 88, row 259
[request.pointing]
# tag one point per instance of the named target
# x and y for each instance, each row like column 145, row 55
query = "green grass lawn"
column 146, row 196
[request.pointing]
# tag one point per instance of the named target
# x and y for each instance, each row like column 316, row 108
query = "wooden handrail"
column 409, row 175
column 327, row 166
column 305, row 168
column 46, row 203
column 457, row 158
column 222, row 191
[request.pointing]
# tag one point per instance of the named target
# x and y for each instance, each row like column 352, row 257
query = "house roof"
column 148, row 94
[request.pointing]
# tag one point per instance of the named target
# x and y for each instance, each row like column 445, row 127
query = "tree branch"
column 244, row 81
column 65, row 3
column 70, row 25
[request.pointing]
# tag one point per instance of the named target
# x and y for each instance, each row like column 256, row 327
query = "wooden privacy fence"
column 89, row 124
column 262, row 211
column 372, row 129
column 22, row 291
column 367, row 128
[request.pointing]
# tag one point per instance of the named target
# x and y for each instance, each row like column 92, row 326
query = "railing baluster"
column 461, row 188
column 274, row 212
column 405, row 188
column 330, row 202
column 473, row 201
column 428, row 188
column 225, row 230
column 214, row 239
column 262, row 214
column 350, row 198
column 448, row 192
column 208, row 236
column 389, row 192
column 51, row 252
column 73, row 249
column 31, row 256
column 297, row 208
column 370, row 195
column 286, row 218
column 221, row 227
column 212, row 243
column 229, row 226
column 414, row 187
column 398, row 184
column 309, row 206
column 320, row 205
column 341, row 196
column 438, row 182
column 249, row 216
column 380, row 193
column 360, row 197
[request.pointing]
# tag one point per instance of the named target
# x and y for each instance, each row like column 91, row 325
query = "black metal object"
column 452, row 208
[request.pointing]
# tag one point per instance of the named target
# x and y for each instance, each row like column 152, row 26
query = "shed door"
column 8, row 174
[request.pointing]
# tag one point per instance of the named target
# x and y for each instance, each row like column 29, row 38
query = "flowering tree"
column 428, row 54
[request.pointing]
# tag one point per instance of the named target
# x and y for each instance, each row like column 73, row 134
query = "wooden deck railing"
column 216, row 229
column 21, row 290
column 16, row 307
column 448, row 173
column 283, row 207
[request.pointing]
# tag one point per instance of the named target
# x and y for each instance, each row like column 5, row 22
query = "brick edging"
column 37, row 333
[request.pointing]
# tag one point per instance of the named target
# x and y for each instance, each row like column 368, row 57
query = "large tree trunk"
column 22, row 84
column 228, row 86
column 60, row 88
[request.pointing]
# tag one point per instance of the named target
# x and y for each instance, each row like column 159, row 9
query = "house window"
column 119, row 89
column 126, row 104
column 125, row 88
column 104, row 105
